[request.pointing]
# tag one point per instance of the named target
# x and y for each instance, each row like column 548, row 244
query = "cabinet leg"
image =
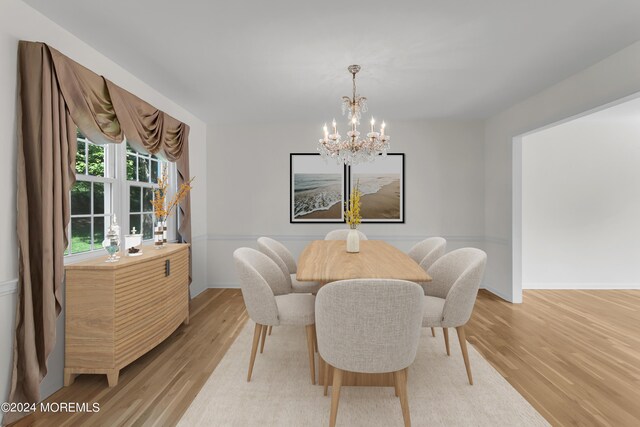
column 186, row 320
column 112, row 377
column 69, row 377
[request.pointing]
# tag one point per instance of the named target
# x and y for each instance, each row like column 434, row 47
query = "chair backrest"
column 427, row 251
column 265, row 247
column 457, row 277
column 342, row 234
column 369, row 325
column 281, row 250
column 260, row 280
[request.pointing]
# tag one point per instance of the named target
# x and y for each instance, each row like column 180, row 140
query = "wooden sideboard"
column 116, row 312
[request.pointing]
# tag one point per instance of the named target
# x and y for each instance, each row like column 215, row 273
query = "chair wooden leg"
column 264, row 337
column 315, row 339
column 395, row 384
column 401, row 385
column 326, row 378
column 445, row 331
column 270, row 327
column 254, row 349
column 335, row 395
column 462, row 337
column 433, row 332
column 312, row 367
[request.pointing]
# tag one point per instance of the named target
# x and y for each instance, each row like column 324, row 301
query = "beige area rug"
column 280, row 392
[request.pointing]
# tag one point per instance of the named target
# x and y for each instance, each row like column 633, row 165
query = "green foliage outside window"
column 95, row 155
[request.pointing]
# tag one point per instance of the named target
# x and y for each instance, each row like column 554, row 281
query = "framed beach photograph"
column 317, row 189
column 382, row 185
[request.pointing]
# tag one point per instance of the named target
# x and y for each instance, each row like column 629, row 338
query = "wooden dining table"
column 328, row 261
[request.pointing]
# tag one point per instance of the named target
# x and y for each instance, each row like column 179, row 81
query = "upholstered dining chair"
column 341, row 234
column 369, row 326
column 269, row 301
column 426, row 253
column 456, row 278
column 281, row 256
column 287, row 263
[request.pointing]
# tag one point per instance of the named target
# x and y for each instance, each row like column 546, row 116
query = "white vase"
column 353, row 241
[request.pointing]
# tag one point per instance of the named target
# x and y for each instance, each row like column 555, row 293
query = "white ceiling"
column 240, row 60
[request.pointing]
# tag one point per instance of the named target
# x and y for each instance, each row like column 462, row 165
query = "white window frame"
column 126, row 188
column 108, row 178
column 116, row 175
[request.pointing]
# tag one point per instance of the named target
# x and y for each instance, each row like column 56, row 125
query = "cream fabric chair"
column 426, row 253
column 281, row 256
column 269, row 301
column 369, row 326
column 452, row 294
column 341, row 234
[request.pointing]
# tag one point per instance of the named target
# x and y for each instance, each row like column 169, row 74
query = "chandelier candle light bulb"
column 353, row 150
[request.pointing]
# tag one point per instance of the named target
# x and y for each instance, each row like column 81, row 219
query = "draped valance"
column 56, row 94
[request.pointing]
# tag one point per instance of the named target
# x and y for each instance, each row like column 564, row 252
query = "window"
column 142, row 179
column 90, row 196
column 112, row 179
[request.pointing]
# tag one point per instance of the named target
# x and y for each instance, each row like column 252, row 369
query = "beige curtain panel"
column 56, row 94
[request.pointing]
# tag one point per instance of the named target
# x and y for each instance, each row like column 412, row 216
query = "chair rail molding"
column 309, row 237
column 8, row 287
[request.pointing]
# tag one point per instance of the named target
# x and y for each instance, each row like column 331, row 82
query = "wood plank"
column 574, row 355
column 157, row 388
column 327, row 261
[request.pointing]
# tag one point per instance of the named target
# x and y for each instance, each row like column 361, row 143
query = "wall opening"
column 576, row 202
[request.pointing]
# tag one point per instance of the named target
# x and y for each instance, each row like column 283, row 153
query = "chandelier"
column 353, row 149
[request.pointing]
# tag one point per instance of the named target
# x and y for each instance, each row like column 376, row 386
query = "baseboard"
column 194, row 294
column 230, row 285
column 497, row 292
column 580, row 285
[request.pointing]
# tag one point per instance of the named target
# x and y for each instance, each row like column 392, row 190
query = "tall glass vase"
column 159, row 234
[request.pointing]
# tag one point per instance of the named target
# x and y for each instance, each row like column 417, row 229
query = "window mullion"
column 91, row 216
column 122, row 187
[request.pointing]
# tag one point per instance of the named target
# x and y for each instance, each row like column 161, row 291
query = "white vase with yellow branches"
column 353, row 218
column 163, row 209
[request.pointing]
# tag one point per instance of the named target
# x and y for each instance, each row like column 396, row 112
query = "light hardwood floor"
column 574, row 355
column 158, row 388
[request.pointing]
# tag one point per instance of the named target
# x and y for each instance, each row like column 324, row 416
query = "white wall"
column 581, row 204
column 19, row 21
column 611, row 79
column 249, row 187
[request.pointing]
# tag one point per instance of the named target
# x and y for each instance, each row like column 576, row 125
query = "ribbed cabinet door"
column 141, row 294
column 177, row 300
